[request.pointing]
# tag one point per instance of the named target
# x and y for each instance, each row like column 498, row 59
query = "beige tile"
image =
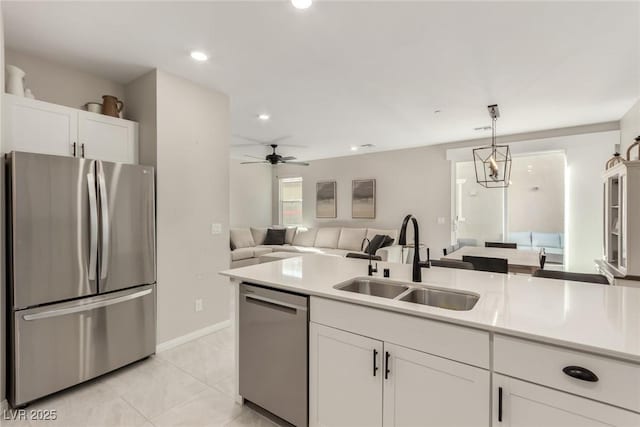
column 223, row 338
column 92, row 404
column 155, row 387
column 210, row 408
column 207, row 362
column 250, row 418
column 227, row 386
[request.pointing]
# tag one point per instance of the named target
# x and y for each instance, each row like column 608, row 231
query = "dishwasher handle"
column 274, row 303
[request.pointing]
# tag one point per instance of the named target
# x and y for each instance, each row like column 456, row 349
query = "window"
column 290, row 201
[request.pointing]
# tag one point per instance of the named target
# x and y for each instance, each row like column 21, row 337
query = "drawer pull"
column 580, row 373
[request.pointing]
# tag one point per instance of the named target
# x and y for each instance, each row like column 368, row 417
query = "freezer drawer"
column 60, row 345
column 273, row 351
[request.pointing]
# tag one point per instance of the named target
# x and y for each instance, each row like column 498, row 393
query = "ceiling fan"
column 275, row 158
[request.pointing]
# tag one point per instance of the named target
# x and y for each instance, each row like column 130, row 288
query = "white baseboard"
column 192, row 336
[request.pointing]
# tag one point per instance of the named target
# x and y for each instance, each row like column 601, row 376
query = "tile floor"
column 191, row 385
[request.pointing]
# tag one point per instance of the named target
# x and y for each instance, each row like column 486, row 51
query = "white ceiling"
column 350, row 73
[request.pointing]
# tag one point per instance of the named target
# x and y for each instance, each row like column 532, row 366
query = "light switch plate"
column 216, row 228
column 198, row 306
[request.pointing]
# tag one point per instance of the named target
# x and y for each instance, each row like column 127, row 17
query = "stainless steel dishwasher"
column 273, row 351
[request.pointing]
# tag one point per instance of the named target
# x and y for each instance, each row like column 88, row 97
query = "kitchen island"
column 530, row 352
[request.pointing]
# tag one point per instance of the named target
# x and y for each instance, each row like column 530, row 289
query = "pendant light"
column 493, row 163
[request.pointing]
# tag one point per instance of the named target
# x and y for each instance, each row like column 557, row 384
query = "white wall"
column 249, row 195
column 193, row 136
column 630, row 129
column 60, row 84
column 142, row 100
column 415, row 181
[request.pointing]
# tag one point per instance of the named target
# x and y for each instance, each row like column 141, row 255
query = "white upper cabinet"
column 522, row 404
column 41, row 127
column 425, row 390
column 107, row 138
column 345, row 379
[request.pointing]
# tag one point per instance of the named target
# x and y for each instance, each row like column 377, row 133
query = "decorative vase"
column 15, row 80
column 111, row 106
column 635, row 144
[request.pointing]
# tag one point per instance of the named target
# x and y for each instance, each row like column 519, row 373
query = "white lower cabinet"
column 522, row 404
column 425, row 390
column 345, row 388
column 360, row 381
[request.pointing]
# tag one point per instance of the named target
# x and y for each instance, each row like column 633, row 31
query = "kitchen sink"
column 460, row 301
column 373, row 287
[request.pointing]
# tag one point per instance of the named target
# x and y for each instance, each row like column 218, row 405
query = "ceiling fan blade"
column 292, row 145
column 254, row 163
column 246, row 138
column 296, row 163
column 287, row 158
column 254, row 157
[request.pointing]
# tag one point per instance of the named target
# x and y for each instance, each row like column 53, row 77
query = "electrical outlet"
column 199, row 306
column 441, row 220
column 216, row 228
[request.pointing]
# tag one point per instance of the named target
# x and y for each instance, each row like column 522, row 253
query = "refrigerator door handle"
column 93, row 222
column 104, row 213
column 86, row 307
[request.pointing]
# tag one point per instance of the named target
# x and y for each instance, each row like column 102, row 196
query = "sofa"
column 247, row 243
column 552, row 243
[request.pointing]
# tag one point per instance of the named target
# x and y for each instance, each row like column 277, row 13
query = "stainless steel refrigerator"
column 81, row 268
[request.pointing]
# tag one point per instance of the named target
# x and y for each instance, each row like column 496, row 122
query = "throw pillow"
column 241, row 238
column 259, row 235
column 275, row 237
column 375, row 244
column 388, row 241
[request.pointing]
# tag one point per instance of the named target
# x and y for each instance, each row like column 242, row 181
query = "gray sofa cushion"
column 546, row 240
column 304, row 237
column 259, row 234
column 351, row 238
column 241, row 238
column 241, row 253
column 521, row 238
column 327, row 237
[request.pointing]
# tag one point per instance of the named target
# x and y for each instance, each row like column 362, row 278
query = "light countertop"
column 590, row 317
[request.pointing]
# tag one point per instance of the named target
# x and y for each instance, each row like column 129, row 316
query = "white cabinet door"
column 521, row 404
column 425, row 390
column 345, row 388
column 108, row 138
column 38, row 127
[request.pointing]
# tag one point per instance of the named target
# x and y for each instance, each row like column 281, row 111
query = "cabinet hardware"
column 580, row 373
column 386, row 365
column 375, row 365
column 499, row 404
column 74, row 149
column 82, row 150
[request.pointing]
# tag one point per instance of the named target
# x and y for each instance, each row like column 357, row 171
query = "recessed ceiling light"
column 264, row 117
column 354, row 148
column 301, row 4
column 199, row 56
